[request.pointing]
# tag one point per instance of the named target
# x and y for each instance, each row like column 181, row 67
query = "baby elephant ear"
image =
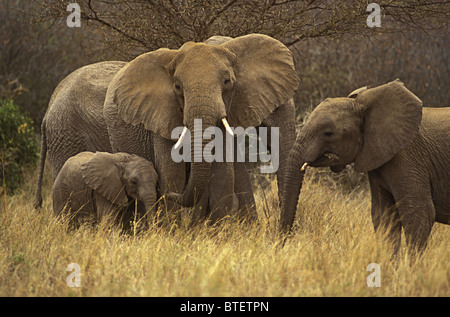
column 143, row 93
column 102, row 174
column 392, row 115
column 265, row 78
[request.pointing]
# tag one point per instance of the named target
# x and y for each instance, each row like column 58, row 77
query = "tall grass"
column 327, row 254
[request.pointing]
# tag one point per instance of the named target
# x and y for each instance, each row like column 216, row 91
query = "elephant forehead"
column 139, row 164
column 203, row 56
column 337, row 107
column 321, row 120
column 335, row 103
column 333, row 110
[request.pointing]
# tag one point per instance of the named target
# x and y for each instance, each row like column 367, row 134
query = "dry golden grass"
column 327, row 255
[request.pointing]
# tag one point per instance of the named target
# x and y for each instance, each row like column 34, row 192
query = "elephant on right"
column 404, row 148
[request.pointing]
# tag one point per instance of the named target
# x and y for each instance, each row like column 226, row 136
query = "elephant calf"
column 94, row 185
column 404, row 148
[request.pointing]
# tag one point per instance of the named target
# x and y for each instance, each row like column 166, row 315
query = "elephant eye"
column 177, row 88
column 133, row 182
column 328, row 133
column 227, row 83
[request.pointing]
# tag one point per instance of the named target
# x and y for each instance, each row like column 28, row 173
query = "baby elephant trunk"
column 150, row 205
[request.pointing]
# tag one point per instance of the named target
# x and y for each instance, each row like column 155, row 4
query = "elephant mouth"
column 326, row 159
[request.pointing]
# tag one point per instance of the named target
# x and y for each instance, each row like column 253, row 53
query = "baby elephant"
column 94, row 185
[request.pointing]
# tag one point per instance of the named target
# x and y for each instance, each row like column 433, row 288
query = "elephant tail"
column 38, row 198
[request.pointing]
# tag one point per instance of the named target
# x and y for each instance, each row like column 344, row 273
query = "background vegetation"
column 335, row 50
column 18, row 146
column 333, row 241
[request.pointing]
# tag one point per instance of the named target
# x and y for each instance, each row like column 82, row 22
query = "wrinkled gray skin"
column 249, row 80
column 75, row 110
column 404, row 148
column 95, row 185
column 74, row 119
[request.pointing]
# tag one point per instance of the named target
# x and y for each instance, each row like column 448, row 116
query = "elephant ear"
column 143, row 92
column 102, row 174
column 392, row 115
column 265, row 78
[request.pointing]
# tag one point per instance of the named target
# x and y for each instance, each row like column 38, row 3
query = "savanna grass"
column 326, row 255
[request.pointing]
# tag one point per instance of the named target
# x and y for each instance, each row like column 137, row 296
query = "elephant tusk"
column 304, row 166
column 227, row 126
column 180, row 139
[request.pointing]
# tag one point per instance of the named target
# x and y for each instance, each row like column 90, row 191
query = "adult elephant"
column 249, row 81
column 74, row 119
column 404, row 148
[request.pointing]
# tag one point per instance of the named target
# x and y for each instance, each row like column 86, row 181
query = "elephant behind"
column 74, row 119
column 404, row 148
column 96, row 185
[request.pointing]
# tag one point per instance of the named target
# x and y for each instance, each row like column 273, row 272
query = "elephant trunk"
column 198, row 178
column 149, row 200
column 293, row 179
column 287, row 141
column 200, row 168
column 291, row 190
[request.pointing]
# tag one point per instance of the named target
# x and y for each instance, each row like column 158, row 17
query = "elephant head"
column 119, row 177
column 367, row 128
column 238, row 82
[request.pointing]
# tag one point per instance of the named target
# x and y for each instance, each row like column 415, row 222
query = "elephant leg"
column 385, row 216
column 222, row 200
column 81, row 207
column 417, row 214
column 171, row 175
column 200, row 211
column 105, row 209
column 132, row 218
column 71, row 197
column 244, row 192
column 126, row 218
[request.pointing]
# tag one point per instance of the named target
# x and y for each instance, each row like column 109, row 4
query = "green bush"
column 18, row 146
